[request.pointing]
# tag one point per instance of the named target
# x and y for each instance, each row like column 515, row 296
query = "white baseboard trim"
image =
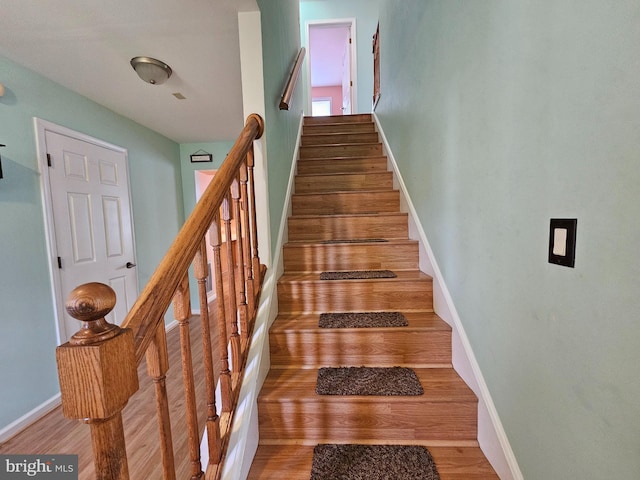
column 243, row 442
column 174, row 323
column 41, row 410
column 491, row 435
column 28, row 418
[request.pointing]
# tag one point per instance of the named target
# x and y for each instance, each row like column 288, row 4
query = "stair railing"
column 98, row 367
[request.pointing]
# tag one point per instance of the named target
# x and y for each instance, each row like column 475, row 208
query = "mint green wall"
column 280, row 45
column 503, row 114
column 366, row 14
column 218, row 150
column 28, row 372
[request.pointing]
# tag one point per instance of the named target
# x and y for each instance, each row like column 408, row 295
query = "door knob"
column 130, row 265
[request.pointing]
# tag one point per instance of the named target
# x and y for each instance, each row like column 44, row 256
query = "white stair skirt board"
column 243, row 442
column 491, row 435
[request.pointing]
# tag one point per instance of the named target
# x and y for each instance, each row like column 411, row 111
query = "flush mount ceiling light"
column 151, row 70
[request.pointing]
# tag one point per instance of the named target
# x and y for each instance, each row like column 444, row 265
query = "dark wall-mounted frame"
column 562, row 241
column 1, row 145
column 376, row 68
column 201, row 157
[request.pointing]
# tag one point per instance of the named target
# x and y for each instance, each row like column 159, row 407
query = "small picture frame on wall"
column 200, row 157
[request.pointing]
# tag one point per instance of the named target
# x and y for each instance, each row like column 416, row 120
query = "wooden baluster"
column 246, row 243
column 225, row 374
column 239, row 261
column 232, row 313
column 157, row 368
column 98, row 374
column 254, row 224
column 182, row 312
column 201, row 273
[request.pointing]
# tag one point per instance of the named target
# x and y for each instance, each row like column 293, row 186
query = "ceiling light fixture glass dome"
column 151, row 70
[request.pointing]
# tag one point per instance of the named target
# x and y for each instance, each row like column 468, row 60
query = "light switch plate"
column 562, row 241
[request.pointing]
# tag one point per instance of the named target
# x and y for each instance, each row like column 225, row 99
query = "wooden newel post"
column 98, row 374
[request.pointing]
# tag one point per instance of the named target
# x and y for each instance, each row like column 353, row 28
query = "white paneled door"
column 92, row 221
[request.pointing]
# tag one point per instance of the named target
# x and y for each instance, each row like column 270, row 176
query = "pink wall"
column 335, row 93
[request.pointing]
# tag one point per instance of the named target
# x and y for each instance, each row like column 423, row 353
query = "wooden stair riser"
column 341, row 151
column 366, row 127
column 348, row 227
column 338, row 119
column 350, row 256
column 339, row 203
column 343, row 182
column 339, row 138
column 380, row 347
column 355, row 295
column 349, row 420
column 345, row 165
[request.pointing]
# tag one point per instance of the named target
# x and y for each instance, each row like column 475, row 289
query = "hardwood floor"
column 346, row 216
column 56, row 434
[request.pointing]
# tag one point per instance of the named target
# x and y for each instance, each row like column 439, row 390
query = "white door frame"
column 336, row 22
column 41, row 127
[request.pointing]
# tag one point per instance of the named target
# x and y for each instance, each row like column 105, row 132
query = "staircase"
column 343, row 191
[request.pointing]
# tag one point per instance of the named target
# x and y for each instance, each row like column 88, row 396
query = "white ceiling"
column 86, row 45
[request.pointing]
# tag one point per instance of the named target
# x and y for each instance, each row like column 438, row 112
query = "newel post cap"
column 97, row 368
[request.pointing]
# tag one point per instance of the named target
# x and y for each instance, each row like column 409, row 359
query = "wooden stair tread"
column 338, row 144
column 344, row 181
column 346, row 202
column 304, row 292
column 338, row 138
column 340, row 134
column 311, row 277
column 333, row 119
column 347, row 150
column 365, row 164
column 297, row 385
column 395, row 254
column 344, row 192
column 339, row 159
column 318, row 227
column 337, row 120
column 308, row 322
column 331, row 145
column 349, row 127
column 454, row 462
column 312, row 244
column 298, row 340
column 316, row 176
column 352, row 215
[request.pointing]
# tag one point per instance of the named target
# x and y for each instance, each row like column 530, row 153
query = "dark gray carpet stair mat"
column 362, row 320
column 357, row 275
column 372, row 462
column 378, row 381
column 357, row 240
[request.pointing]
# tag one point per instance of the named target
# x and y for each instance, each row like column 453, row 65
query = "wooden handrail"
column 291, row 82
column 148, row 311
column 98, row 367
